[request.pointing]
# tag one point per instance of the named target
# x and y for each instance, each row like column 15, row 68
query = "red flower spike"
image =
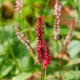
column 43, row 52
column 57, row 78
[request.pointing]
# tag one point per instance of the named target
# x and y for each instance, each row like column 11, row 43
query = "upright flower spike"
column 69, row 36
column 23, row 39
column 40, row 48
column 43, row 52
column 57, row 13
column 18, row 6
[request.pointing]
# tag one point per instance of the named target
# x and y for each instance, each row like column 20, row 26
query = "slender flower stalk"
column 43, row 52
column 64, row 47
column 21, row 36
column 45, row 74
column 57, row 13
column 69, row 36
column 23, row 39
column 18, row 5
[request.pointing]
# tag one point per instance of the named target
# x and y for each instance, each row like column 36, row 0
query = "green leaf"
column 30, row 65
column 2, row 52
column 74, row 48
column 72, row 75
column 22, row 76
column 73, row 61
column 69, row 75
column 6, row 68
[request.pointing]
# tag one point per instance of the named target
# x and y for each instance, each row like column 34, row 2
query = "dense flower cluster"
column 43, row 52
column 19, row 5
column 57, row 13
column 69, row 36
column 47, row 58
column 22, row 38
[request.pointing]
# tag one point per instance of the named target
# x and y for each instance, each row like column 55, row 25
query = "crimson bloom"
column 43, row 52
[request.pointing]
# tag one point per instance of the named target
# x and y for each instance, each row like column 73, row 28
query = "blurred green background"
column 9, row 43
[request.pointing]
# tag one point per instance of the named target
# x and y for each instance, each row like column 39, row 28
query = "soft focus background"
column 9, row 43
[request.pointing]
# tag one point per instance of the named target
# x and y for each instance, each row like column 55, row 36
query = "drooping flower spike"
column 18, row 5
column 69, row 36
column 23, row 39
column 57, row 13
column 43, row 52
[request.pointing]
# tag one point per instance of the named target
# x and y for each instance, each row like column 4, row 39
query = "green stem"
column 21, row 55
column 61, row 58
column 79, row 6
column 57, row 48
column 45, row 74
column 11, row 51
column 45, row 8
column 0, row 21
column 19, row 19
column 20, row 46
column 10, row 48
column 41, row 71
column 1, row 1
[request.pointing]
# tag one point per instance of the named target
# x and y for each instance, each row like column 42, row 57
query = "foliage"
column 32, row 9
